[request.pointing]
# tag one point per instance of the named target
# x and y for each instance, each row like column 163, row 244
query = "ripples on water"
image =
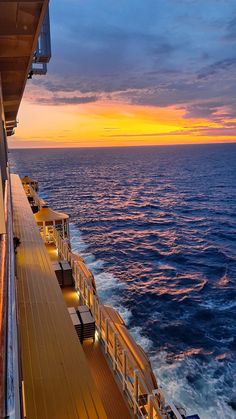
column 157, row 227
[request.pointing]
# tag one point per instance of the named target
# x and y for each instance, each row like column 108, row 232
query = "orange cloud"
column 112, row 123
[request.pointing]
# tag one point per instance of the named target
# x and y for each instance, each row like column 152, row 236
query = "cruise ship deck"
column 57, row 380
column 107, row 386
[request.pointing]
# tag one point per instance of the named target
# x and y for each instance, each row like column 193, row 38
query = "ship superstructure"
column 64, row 354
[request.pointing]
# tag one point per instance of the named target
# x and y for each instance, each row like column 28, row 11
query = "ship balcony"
column 42, row 54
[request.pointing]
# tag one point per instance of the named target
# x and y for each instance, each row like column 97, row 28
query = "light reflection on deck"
column 107, row 387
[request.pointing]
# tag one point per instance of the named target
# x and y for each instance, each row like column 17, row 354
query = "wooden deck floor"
column 108, row 390
column 58, row 383
column 71, row 297
column 52, row 252
column 107, row 387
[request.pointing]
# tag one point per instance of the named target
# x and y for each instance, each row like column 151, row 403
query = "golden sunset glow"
column 105, row 123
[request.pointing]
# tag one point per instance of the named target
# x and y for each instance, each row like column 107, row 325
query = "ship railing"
column 130, row 377
column 9, row 351
column 3, row 298
column 143, row 403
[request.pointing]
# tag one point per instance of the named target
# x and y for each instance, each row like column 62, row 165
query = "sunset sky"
column 134, row 72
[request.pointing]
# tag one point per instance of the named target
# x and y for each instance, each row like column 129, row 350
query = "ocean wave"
column 199, row 387
column 140, row 338
column 107, row 284
column 223, row 281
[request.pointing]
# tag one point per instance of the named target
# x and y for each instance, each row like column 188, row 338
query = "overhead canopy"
column 20, row 24
column 49, row 215
column 28, row 180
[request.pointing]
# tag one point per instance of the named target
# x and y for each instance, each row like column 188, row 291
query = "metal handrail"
column 13, row 404
column 3, row 313
column 10, row 405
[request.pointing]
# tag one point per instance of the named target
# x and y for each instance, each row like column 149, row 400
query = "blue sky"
column 165, row 51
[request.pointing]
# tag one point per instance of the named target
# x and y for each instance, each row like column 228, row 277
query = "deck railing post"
column 124, row 369
column 93, row 308
column 75, row 275
column 82, row 286
column 106, row 335
column 65, row 251
column 114, row 351
column 81, row 283
column 61, row 250
column 72, row 261
column 91, row 301
column 58, row 242
column 84, row 289
column 99, row 322
column 75, row 271
column 78, row 279
column 135, row 392
column 150, row 406
column 86, row 294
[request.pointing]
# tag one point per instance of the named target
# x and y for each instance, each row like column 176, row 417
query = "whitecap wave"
column 106, row 283
column 77, row 243
column 142, row 340
column 199, row 387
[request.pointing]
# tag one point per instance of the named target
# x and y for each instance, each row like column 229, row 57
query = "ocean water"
column 157, row 226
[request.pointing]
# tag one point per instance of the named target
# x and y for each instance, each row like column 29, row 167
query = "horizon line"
column 125, row 146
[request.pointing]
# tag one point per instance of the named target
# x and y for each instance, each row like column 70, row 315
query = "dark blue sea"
column 157, row 226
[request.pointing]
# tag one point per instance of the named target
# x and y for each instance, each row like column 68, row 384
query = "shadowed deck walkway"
column 57, row 380
column 108, row 390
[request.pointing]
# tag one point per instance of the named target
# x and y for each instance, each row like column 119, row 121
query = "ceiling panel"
column 19, row 29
